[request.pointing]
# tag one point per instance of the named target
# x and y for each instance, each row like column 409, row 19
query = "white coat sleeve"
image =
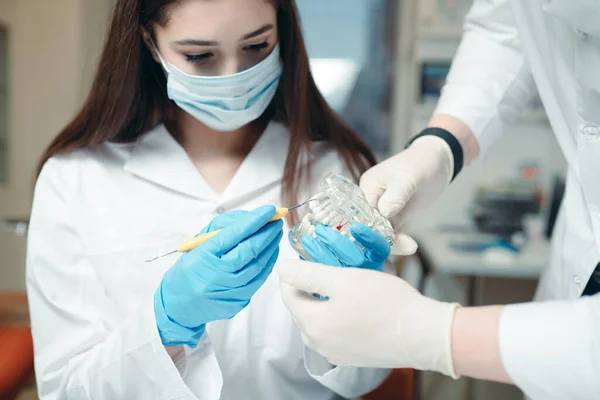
column 348, row 382
column 490, row 82
column 551, row 350
column 80, row 351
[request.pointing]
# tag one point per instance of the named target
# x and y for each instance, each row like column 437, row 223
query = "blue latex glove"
column 335, row 249
column 216, row 280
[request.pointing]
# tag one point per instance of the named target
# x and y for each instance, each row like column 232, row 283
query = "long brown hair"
column 128, row 95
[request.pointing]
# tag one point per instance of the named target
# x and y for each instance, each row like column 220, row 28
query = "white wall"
column 53, row 46
column 336, row 28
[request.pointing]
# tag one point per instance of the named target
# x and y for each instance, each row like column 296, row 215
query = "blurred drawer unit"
column 12, row 248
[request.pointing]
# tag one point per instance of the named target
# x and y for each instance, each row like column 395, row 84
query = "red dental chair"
column 16, row 346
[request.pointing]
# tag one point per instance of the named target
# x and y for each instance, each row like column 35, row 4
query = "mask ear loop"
column 155, row 47
column 148, row 36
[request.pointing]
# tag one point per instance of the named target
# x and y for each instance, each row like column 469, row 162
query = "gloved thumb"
column 397, row 195
column 404, row 245
column 372, row 187
column 308, row 276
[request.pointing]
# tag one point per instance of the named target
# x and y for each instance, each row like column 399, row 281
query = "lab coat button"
column 577, row 280
column 581, row 34
column 220, row 210
column 591, row 131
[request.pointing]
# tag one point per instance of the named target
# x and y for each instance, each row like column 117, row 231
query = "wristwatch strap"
column 455, row 147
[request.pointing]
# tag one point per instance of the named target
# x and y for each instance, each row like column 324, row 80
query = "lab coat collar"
column 159, row 158
column 262, row 168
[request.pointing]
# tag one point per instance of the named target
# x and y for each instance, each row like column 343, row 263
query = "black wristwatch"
column 455, row 147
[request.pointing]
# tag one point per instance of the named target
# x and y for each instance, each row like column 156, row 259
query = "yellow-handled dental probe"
column 196, row 241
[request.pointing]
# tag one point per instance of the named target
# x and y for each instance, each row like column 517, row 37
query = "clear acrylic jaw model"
column 339, row 204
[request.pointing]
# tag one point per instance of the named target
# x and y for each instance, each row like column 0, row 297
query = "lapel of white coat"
column 262, row 168
column 158, row 158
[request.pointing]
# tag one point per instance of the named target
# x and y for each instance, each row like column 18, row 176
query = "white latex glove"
column 371, row 319
column 408, row 182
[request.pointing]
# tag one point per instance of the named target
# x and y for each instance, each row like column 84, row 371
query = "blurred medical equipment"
column 510, row 207
column 480, row 243
column 196, row 241
column 433, row 79
column 340, row 204
column 217, row 281
column 500, row 209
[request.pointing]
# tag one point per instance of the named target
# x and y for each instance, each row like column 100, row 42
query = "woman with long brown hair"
column 200, row 109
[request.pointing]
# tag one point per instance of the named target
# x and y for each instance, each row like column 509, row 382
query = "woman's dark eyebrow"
column 257, row 32
column 196, row 42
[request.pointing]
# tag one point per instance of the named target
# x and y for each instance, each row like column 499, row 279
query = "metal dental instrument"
column 196, row 241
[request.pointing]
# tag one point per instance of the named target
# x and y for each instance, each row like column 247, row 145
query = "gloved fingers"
column 376, row 245
column 230, row 271
column 224, row 307
column 247, row 291
column 233, row 234
column 223, row 220
column 409, row 211
column 397, row 195
column 309, row 342
column 341, row 246
column 309, row 277
column 404, row 245
column 372, row 186
column 318, row 252
column 250, row 248
column 262, row 277
column 301, row 304
column 252, row 269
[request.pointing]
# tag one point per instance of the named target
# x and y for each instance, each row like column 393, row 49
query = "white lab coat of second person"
column 512, row 49
column 97, row 216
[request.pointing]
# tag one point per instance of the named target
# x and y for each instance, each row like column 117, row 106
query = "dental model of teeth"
column 339, row 204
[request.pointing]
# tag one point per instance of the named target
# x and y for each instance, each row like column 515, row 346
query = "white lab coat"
column 97, row 215
column 510, row 49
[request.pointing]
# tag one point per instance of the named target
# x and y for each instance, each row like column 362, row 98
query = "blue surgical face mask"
column 226, row 103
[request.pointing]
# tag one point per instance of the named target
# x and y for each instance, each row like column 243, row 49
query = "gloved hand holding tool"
column 217, row 279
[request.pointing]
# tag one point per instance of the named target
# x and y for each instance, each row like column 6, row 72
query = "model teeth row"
column 323, row 212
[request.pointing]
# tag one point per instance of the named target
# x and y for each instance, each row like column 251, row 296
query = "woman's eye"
column 197, row 58
column 257, row 47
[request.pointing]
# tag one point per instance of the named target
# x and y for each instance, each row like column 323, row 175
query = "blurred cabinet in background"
column 438, row 36
column 12, row 251
column 3, row 101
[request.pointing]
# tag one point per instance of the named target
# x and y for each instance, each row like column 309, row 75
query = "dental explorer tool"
column 196, row 241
